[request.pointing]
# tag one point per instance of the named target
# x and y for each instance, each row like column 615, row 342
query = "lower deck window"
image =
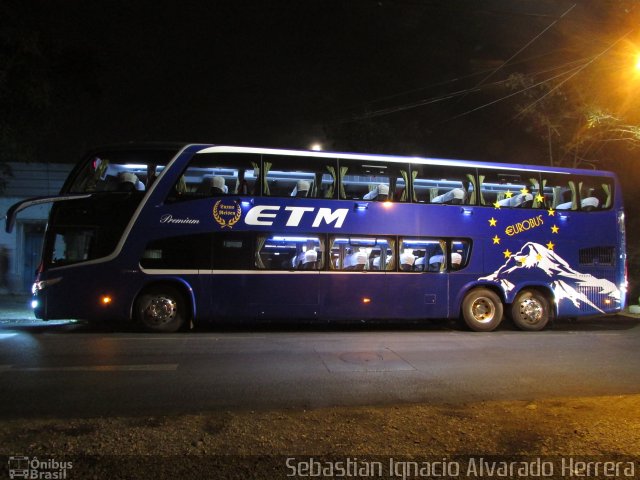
column 362, row 253
column 282, row 252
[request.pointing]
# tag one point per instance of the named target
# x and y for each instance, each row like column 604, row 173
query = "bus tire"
column 482, row 310
column 161, row 309
column 530, row 311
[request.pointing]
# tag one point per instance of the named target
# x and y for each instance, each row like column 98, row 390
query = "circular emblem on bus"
column 227, row 213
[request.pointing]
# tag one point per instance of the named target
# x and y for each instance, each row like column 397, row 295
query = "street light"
column 316, row 147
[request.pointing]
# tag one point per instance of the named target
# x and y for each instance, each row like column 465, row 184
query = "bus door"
column 285, row 283
column 420, row 287
column 355, row 286
column 269, row 275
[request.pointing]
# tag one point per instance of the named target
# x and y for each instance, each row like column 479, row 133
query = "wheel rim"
column 483, row 310
column 531, row 311
column 160, row 310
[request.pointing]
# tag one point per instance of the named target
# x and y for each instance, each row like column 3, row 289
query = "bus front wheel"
column 482, row 310
column 161, row 309
column 530, row 311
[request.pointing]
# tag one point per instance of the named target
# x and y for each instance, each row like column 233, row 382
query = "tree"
column 573, row 126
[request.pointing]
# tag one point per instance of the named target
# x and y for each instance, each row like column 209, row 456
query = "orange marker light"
column 105, row 300
column 366, row 300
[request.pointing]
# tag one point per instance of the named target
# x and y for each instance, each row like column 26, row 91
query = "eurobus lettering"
column 169, row 235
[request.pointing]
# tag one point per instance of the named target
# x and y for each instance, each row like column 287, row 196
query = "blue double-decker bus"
column 170, row 235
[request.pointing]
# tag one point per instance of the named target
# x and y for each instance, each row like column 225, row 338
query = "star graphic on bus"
column 551, row 212
column 524, row 191
column 496, row 204
column 550, row 246
column 539, row 198
column 493, row 222
column 496, row 240
column 508, row 194
column 555, row 229
column 506, row 253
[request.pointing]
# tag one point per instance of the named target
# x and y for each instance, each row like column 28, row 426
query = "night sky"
column 363, row 75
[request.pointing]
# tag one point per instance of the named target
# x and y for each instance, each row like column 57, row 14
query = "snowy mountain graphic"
column 535, row 260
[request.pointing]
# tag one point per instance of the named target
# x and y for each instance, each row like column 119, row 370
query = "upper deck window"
column 560, row 191
column 376, row 181
column 217, row 174
column 290, row 176
column 444, row 185
column 120, row 171
column 510, row 189
column 596, row 193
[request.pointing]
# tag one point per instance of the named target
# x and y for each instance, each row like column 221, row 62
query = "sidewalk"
column 14, row 308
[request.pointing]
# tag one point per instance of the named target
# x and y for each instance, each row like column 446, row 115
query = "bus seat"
column 361, row 260
column 218, row 187
column 212, row 186
column 522, row 200
column 406, row 261
column 418, row 265
column 452, row 197
column 301, row 189
column 590, row 203
column 435, row 262
column 310, row 260
column 456, row 261
column 127, row 182
column 379, row 193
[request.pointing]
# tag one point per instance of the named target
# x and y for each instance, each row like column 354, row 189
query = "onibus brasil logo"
column 35, row 468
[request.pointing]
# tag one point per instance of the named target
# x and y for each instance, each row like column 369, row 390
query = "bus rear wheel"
column 161, row 309
column 530, row 311
column 482, row 310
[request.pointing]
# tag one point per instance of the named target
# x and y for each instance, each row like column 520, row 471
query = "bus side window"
column 509, row 189
column 560, row 191
column 444, row 185
column 293, row 176
column 355, row 253
column 232, row 251
column 374, row 181
column 460, row 253
column 216, row 174
column 289, row 252
column 595, row 193
column 185, row 252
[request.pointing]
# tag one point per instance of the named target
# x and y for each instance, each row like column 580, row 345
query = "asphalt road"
column 69, row 369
